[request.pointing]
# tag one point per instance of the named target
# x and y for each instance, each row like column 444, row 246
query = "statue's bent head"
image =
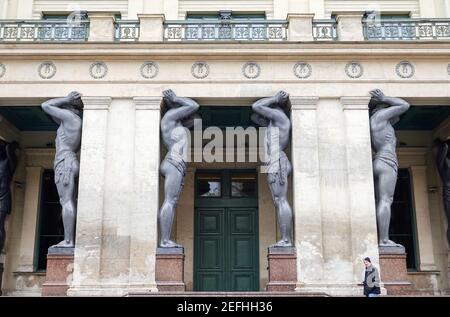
column 76, row 104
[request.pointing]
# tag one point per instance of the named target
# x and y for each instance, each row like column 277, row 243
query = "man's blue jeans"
column 373, row 295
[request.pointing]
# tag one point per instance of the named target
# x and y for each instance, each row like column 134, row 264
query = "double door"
column 226, row 231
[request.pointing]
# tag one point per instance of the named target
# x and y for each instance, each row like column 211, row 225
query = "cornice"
column 227, row 50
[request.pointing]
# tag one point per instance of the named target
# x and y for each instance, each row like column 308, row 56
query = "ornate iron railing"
column 407, row 29
column 325, row 30
column 127, row 31
column 226, row 30
column 43, row 31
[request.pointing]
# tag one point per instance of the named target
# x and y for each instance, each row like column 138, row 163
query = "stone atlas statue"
column 174, row 124
column 8, row 163
column 384, row 113
column 269, row 112
column 66, row 112
column 443, row 165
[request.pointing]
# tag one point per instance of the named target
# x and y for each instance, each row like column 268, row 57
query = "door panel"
column 242, row 282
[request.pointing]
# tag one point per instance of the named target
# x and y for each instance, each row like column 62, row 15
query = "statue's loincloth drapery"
column 179, row 163
column 63, row 167
column 5, row 201
column 177, row 160
column 278, row 168
column 389, row 158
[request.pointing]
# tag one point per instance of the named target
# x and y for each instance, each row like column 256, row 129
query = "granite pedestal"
column 393, row 271
column 170, row 269
column 59, row 271
column 282, row 269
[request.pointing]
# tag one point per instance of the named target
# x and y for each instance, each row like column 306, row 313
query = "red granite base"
column 170, row 272
column 59, row 275
column 282, row 270
column 394, row 274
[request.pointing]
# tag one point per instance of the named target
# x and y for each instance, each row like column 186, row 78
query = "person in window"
column 371, row 279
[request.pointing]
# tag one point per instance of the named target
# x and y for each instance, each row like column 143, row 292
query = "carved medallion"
column 354, row 70
column 251, row 70
column 302, row 70
column 98, row 70
column 405, row 69
column 149, row 70
column 47, row 70
column 200, row 70
column 2, row 70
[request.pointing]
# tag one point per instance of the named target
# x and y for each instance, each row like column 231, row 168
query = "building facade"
column 327, row 54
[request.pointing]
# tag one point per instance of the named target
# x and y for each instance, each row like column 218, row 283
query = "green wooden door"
column 226, row 233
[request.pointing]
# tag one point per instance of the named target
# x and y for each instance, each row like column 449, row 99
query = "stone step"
column 225, row 294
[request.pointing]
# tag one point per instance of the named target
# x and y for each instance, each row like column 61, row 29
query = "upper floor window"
column 225, row 15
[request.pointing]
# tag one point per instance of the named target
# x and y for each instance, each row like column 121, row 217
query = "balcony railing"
column 43, row 31
column 226, row 30
column 126, row 31
column 407, row 29
column 325, row 30
column 223, row 30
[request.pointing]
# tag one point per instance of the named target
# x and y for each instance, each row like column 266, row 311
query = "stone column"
column 30, row 212
column 306, row 185
column 144, row 215
column 151, row 27
column 88, row 243
column 424, row 232
column 350, row 27
column 101, row 27
column 360, row 183
column 300, row 27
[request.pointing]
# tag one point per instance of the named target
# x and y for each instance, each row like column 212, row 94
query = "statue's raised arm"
column 266, row 107
column 61, row 109
column 396, row 106
column 180, row 107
